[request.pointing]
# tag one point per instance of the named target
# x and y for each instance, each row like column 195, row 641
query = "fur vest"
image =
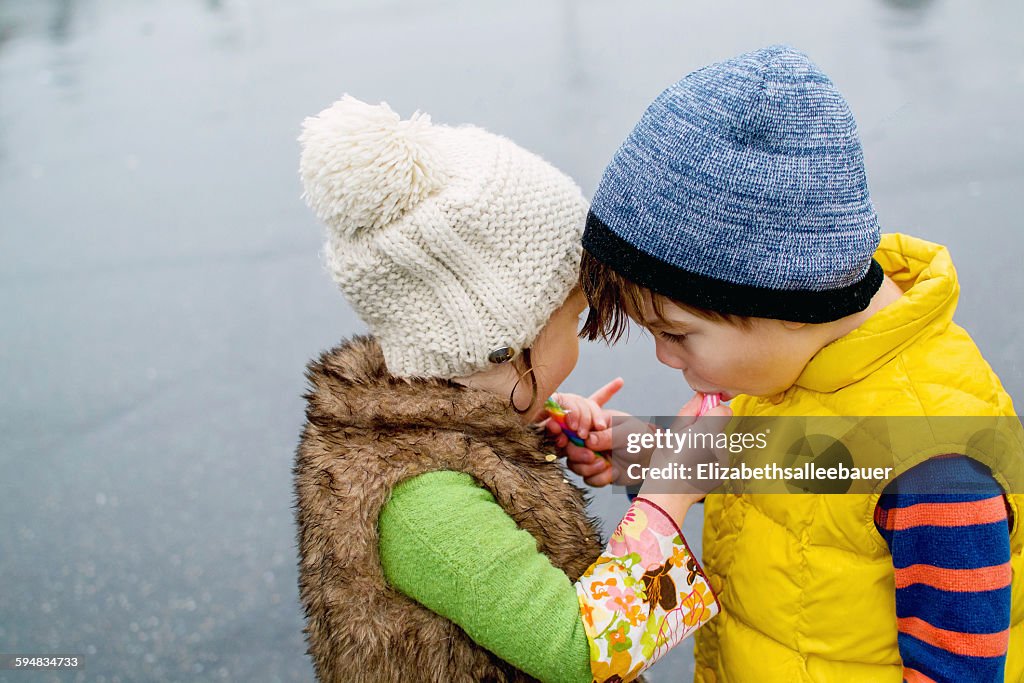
column 365, row 432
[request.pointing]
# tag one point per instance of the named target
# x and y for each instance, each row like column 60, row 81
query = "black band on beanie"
column 727, row 297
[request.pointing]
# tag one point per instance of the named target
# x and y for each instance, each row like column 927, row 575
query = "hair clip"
column 502, row 354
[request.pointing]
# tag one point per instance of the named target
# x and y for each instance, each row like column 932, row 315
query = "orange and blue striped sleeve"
column 947, row 527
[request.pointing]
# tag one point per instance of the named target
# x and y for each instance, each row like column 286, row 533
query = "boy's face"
column 714, row 356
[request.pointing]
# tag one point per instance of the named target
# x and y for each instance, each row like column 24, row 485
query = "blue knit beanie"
column 742, row 190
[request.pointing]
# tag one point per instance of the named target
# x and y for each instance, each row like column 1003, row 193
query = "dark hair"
column 615, row 300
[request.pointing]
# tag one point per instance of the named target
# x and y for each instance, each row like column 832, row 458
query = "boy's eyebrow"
column 658, row 322
column 649, row 322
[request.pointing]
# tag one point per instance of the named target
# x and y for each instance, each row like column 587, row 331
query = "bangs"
column 614, row 301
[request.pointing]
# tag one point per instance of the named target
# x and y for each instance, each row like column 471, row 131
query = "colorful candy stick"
column 708, row 403
column 558, row 413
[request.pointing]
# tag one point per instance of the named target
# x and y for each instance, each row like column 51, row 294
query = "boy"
column 735, row 224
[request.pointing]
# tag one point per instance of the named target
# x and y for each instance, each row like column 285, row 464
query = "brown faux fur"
column 366, row 431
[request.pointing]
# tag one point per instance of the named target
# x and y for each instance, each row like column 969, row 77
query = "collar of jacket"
column 925, row 273
column 346, row 388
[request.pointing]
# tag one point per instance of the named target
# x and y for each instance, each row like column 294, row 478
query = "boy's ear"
column 789, row 325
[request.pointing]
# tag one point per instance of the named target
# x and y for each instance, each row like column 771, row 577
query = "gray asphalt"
column 161, row 288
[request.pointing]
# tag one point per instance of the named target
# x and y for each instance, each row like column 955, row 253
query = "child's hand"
column 591, row 422
column 677, row 498
column 595, row 469
column 599, row 471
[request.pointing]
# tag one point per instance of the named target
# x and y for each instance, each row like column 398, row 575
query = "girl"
column 439, row 539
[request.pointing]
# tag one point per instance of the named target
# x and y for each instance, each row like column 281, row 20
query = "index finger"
column 604, row 394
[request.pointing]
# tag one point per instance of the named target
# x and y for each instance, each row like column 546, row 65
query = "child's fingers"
column 721, row 410
column 590, row 470
column 604, row 394
column 580, row 414
column 692, row 406
column 566, row 401
column 581, row 455
column 586, row 416
column 582, row 467
column 602, row 478
column 555, row 430
column 571, row 418
column 600, row 440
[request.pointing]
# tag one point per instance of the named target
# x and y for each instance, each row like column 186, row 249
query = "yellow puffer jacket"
column 806, row 582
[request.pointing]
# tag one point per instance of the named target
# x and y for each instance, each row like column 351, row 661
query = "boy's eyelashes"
column 675, row 338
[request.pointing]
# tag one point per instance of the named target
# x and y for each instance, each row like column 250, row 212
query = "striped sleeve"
column 946, row 525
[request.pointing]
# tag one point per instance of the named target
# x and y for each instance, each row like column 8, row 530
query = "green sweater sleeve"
column 447, row 544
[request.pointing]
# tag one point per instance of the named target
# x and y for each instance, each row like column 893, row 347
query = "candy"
column 708, row 403
column 558, row 413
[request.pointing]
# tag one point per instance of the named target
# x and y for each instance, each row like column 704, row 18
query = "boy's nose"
column 666, row 356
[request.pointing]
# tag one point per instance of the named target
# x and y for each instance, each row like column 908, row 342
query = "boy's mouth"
column 724, row 395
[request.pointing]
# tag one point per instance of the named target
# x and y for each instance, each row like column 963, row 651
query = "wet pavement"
column 161, row 289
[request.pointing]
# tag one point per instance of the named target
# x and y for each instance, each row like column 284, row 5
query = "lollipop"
column 558, row 413
column 708, row 403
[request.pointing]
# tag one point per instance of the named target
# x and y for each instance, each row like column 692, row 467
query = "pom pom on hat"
column 448, row 241
column 362, row 166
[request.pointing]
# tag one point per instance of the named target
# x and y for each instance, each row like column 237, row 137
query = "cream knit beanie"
column 448, row 242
